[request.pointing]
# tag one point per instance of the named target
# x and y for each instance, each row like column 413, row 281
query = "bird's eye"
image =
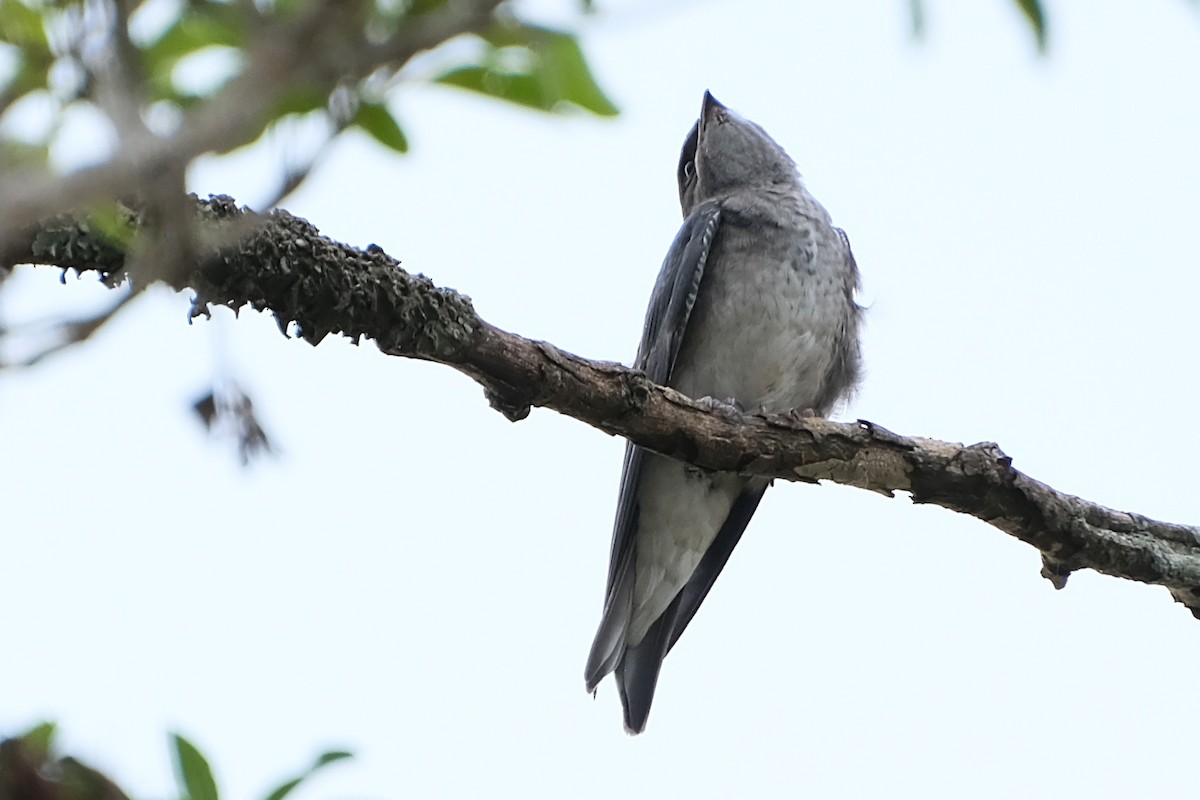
column 689, row 170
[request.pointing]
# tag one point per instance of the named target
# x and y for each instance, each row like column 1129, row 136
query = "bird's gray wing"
column 670, row 307
column 675, row 292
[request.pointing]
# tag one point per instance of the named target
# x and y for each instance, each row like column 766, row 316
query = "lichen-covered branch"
column 315, row 287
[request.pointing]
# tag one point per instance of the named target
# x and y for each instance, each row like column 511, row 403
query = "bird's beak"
column 710, row 110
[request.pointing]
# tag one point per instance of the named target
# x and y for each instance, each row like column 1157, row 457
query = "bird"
column 754, row 307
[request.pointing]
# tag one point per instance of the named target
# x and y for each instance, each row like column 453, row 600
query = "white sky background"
column 419, row 580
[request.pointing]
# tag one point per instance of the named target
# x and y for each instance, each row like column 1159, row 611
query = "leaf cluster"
column 32, row 769
column 171, row 57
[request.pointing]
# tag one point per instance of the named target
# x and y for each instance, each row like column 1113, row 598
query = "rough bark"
column 315, row 286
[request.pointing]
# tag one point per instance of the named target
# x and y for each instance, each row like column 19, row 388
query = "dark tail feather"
column 609, row 645
column 637, row 674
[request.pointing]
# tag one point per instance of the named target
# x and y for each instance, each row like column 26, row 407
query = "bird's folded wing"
column 666, row 320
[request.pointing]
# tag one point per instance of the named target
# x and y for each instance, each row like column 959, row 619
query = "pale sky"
column 418, row 580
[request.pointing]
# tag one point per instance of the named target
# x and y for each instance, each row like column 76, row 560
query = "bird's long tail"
column 637, row 670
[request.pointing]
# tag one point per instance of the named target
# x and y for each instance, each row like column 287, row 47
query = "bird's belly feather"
column 763, row 335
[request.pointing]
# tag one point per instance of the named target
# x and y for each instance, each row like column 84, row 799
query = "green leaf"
column 1033, row 11
column 286, row 788
column 330, row 757
column 563, row 59
column 558, row 63
column 916, row 16
column 15, row 154
column 377, row 120
column 208, row 26
column 418, row 7
column 299, row 100
column 25, row 79
column 286, row 8
column 112, row 224
column 523, row 90
column 198, row 28
column 40, row 739
column 535, row 67
column 78, row 780
column 22, row 30
column 21, row 25
column 194, row 775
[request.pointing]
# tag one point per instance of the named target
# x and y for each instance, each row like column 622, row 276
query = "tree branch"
column 320, row 48
column 64, row 333
column 315, row 286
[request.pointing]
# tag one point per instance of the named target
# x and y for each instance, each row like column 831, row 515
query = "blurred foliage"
column 1032, row 10
column 535, row 67
column 154, row 67
column 182, row 53
column 31, row 769
column 227, row 411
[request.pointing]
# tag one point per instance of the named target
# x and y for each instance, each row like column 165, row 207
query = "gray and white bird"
column 754, row 303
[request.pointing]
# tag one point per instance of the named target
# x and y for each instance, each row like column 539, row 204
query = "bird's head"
column 725, row 152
